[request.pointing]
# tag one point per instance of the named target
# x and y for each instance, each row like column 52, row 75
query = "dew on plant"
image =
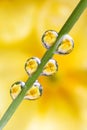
column 34, row 92
column 31, row 65
column 66, row 45
column 16, row 88
column 49, row 38
column 50, row 68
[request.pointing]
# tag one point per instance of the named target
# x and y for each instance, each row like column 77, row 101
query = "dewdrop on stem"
column 31, row 65
column 34, row 92
column 16, row 88
column 50, row 68
column 66, row 45
column 49, row 38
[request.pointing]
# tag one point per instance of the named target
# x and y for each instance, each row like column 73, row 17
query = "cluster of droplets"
column 33, row 93
column 66, row 44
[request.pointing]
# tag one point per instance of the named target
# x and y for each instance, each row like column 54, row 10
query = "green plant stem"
column 65, row 29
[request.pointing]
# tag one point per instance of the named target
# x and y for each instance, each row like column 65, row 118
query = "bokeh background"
column 63, row 105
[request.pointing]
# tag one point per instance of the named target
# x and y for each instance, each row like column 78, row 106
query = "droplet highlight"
column 50, row 68
column 66, row 45
column 49, row 38
column 16, row 88
column 34, row 92
column 31, row 65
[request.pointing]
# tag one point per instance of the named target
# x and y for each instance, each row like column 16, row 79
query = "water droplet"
column 34, row 92
column 49, row 38
column 31, row 65
column 16, row 88
column 50, row 68
column 66, row 45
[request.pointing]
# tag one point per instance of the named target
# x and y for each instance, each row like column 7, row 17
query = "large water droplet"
column 49, row 38
column 34, row 92
column 50, row 68
column 16, row 88
column 31, row 65
column 66, row 45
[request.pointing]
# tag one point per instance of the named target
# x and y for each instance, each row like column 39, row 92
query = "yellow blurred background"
column 63, row 105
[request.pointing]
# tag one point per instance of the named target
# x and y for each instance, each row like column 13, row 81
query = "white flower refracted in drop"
column 49, row 38
column 34, row 92
column 16, row 88
column 66, row 45
column 31, row 65
column 50, row 68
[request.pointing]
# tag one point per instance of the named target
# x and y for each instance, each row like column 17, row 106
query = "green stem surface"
column 65, row 29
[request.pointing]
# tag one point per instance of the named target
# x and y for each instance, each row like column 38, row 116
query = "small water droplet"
column 66, row 45
column 49, row 38
column 16, row 88
column 34, row 92
column 31, row 65
column 50, row 68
